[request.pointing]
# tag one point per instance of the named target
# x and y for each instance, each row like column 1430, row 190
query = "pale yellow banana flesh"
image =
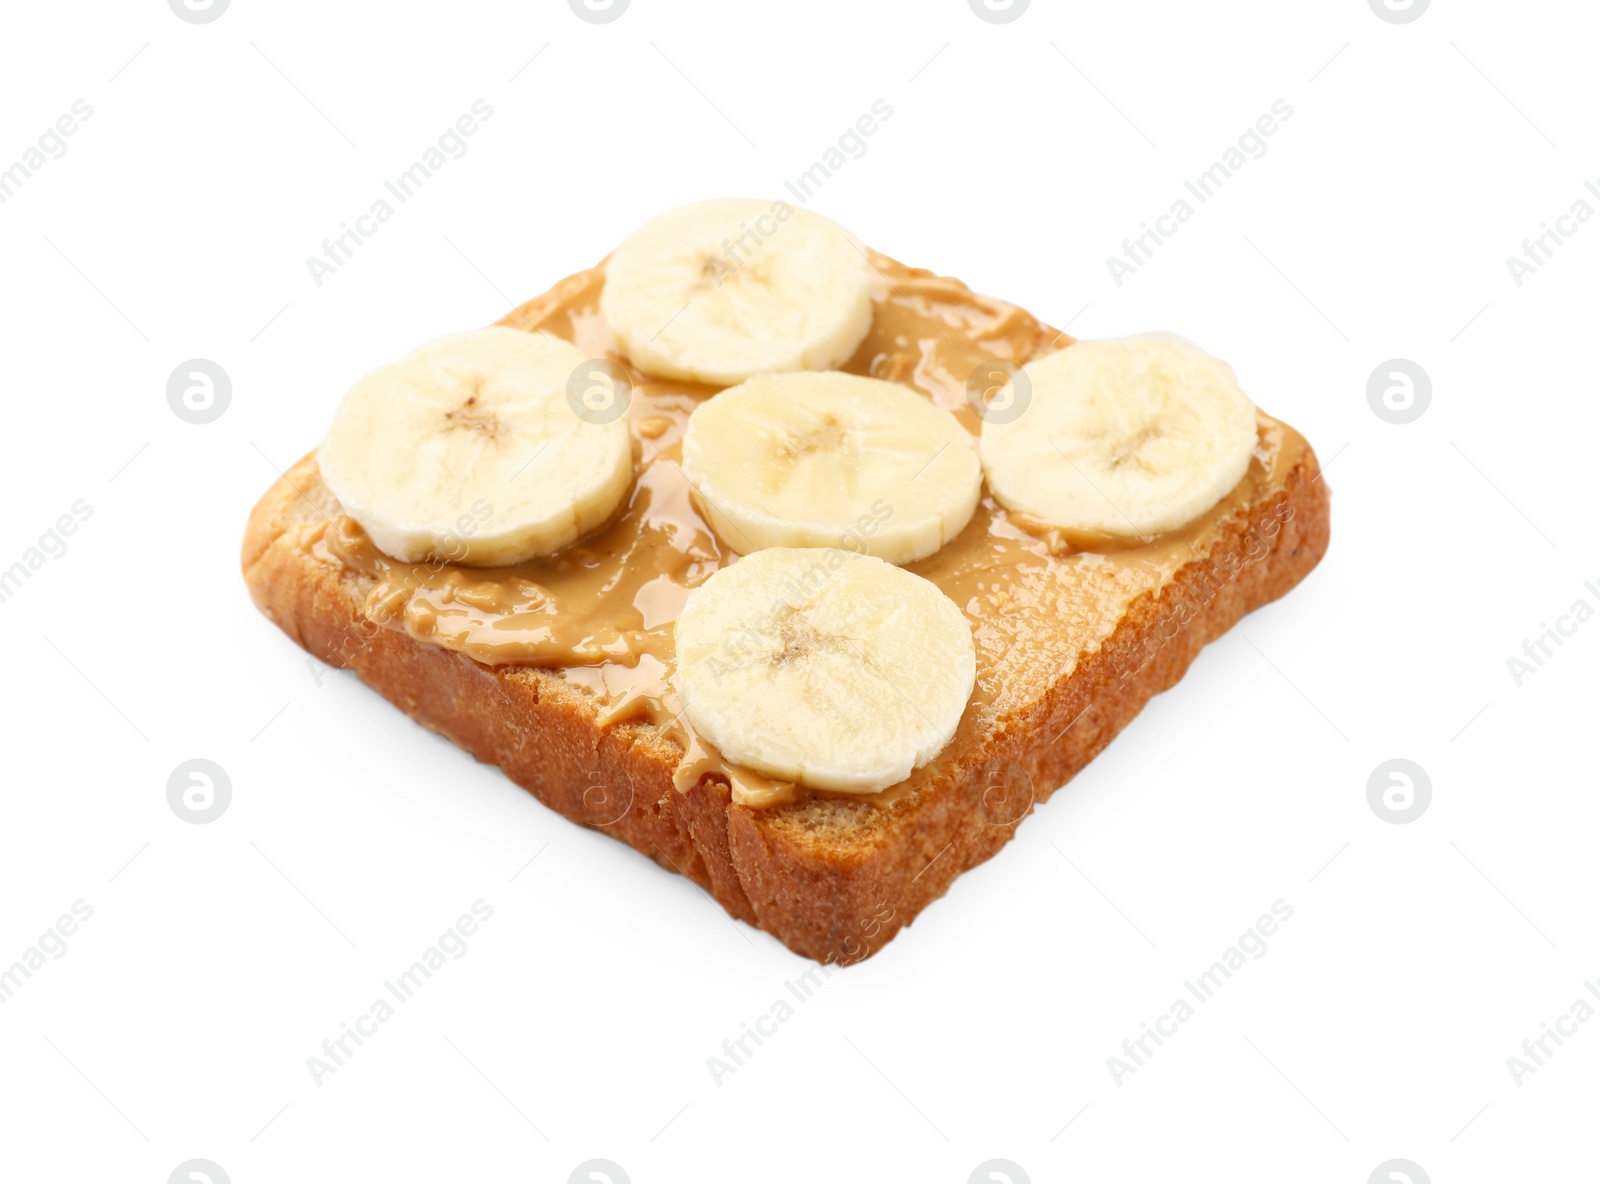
column 721, row 290
column 1128, row 437
column 469, row 450
column 824, row 667
column 831, row 460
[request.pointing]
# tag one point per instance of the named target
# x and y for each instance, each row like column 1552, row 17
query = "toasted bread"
column 832, row 877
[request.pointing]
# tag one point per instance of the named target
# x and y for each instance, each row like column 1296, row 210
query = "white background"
column 579, row 1023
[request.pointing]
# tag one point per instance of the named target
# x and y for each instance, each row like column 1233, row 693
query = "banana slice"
column 831, row 460
column 469, row 450
column 823, row 667
column 1122, row 438
column 720, row 290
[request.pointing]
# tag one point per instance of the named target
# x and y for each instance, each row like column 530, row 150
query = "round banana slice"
column 469, row 451
column 720, row 290
column 1124, row 438
column 831, row 460
column 824, row 667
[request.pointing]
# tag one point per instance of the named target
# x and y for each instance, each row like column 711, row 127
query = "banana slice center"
column 824, row 667
column 829, row 438
column 721, row 290
column 1130, row 448
column 1123, row 438
column 481, row 421
column 470, row 450
column 798, row 639
column 831, row 460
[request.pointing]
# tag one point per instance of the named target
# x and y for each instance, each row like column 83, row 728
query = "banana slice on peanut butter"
column 1123, row 438
column 831, row 460
column 470, row 450
column 721, row 290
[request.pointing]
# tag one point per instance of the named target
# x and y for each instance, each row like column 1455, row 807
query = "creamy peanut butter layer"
column 602, row 611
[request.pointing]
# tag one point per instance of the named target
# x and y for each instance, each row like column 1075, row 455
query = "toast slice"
column 1071, row 644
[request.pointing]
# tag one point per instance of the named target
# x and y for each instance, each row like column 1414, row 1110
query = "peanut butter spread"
column 602, row 611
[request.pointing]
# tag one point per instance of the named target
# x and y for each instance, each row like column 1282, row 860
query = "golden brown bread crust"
column 833, row 880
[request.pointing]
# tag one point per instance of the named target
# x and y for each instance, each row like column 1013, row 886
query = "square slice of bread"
column 833, row 878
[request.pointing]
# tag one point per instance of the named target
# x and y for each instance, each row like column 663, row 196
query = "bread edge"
column 836, row 898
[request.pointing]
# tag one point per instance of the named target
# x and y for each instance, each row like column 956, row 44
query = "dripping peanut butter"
column 602, row 611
